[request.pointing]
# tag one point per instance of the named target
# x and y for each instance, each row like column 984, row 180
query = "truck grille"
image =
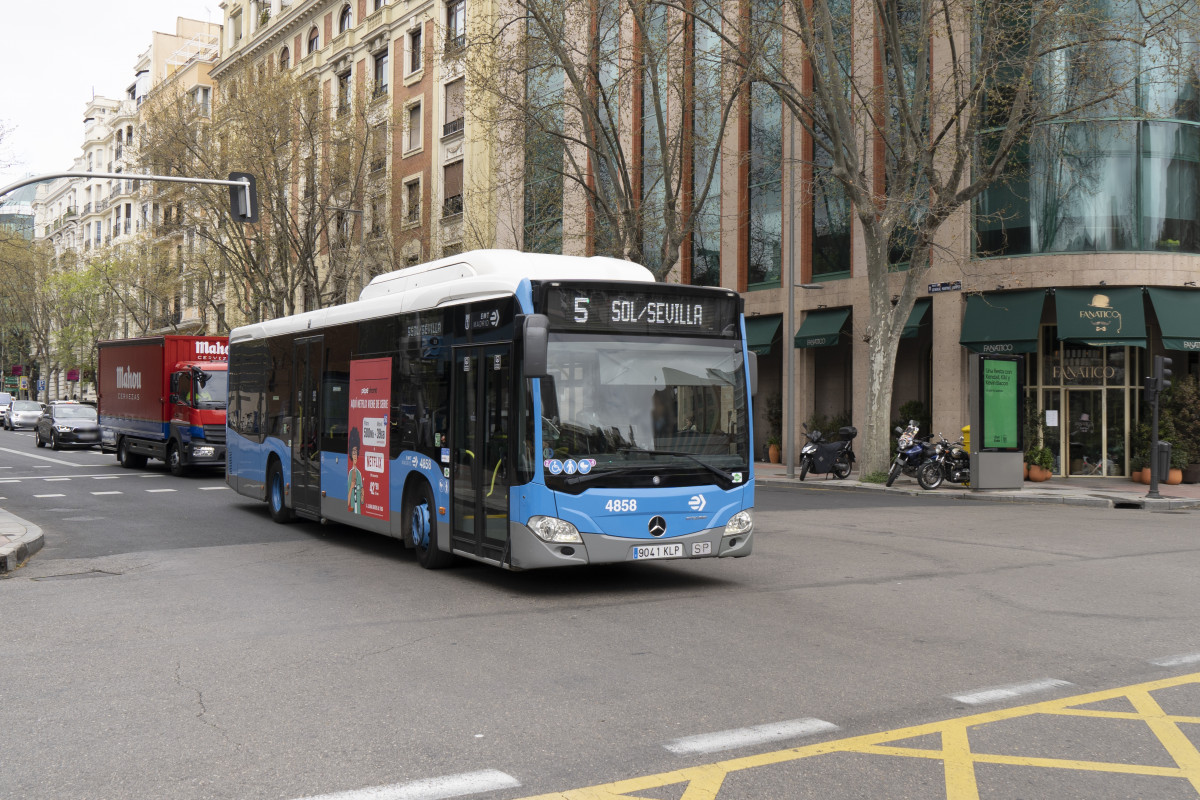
column 215, row 433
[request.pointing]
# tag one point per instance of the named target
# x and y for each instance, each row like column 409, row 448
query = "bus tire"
column 275, row 498
column 421, row 527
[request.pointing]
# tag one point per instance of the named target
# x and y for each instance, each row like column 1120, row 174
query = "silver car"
column 23, row 414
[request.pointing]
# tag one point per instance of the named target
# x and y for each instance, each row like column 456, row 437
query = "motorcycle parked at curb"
column 821, row 457
column 911, row 452
column 951, row 463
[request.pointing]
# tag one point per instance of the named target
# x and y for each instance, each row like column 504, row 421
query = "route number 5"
column 581, row 312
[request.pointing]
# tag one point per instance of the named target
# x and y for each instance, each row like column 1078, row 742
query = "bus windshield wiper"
column 720, row 473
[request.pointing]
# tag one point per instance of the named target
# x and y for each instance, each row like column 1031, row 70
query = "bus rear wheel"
column 279, row 510
column 421, row 531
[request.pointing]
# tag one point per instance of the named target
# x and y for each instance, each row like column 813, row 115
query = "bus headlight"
column 553, row 529
column 739, row 523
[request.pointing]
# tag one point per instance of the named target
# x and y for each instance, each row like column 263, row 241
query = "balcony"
column 452, row 127
column 452, row 206
column 87, row 209
column 378, row 163
column 455, row 44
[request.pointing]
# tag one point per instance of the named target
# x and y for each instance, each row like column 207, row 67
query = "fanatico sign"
column 1102, row 315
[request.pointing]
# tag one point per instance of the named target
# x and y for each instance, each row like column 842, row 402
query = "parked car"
column 67, row 425
column 6, row 400
column 23, row 414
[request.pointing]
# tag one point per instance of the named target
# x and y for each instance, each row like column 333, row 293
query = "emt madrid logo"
column 1102, row 315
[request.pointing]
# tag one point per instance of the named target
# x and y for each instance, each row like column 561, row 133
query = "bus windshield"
column 212, row 388
column 633, row 410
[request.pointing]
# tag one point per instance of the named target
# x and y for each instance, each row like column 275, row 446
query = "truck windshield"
column 635, row 410
column 212, row 388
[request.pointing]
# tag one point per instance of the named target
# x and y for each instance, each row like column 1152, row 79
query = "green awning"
column 1102, row 316
column 1178, row 312
column 821, row 328
column 761, row 331
column 1003, row 322
column 916, row 317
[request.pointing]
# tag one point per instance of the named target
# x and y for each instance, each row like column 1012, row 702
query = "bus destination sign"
column 579, row 308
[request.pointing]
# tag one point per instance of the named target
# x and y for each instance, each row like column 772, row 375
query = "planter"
column 1143, row 475
column 773, row 453
column 1038, row 474
column 1174, row 477
column 1026, row 472
column 1191, row 474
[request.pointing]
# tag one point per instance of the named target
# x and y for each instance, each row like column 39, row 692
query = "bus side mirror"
column 535, row 340
column 752, row 364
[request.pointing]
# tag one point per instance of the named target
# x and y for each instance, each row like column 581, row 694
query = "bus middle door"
column 306, row 444
column 482, row 397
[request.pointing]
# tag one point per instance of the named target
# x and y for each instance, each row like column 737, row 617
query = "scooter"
column 911, row 452
column 821, row 457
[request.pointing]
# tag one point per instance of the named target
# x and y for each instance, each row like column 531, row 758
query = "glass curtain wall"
column 830, row 203
column 766, row 154
column 608, row 40
column 544, row 146
column 706, row 143
column 1124, row 175
column 654, row 102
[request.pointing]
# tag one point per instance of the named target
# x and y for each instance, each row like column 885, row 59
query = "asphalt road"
column 171, row 641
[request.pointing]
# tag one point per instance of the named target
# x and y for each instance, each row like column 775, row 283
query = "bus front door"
column 306, row 444
column 482, row 397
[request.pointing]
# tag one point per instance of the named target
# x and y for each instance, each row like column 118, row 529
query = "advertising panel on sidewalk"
column 1001, row 393
column 367, row 452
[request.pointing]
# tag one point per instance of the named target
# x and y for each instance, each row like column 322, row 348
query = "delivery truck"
column 164, row 397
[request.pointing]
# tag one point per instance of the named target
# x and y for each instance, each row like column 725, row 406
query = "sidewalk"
column 1098, row 492
column 18, row 541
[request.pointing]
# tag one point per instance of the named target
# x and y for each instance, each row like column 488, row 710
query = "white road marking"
column 1169, row 661
column 488, row 780
column 100, row 493
column 105, row 477
column 744, row 737
column 213, row 488
column 50, row 480
column 1008, row 692
column 40, row 458
column 160, row 490
column 49, row 495
column 11, row 480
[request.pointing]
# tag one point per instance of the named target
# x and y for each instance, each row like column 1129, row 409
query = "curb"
column 18, row 541
column 1110, row 501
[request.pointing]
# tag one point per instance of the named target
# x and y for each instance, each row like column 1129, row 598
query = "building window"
column 412, row 202
column 343, row 93
column 766, row 185
column 414, row 127
column 706, row 152
column 378, row 4
column 235, row 28
column 452, row 189
column 314, row 40
column 414, row 51
column 455, row 106
column 456, row 24
column 379, row 141
column 344, row 20
column 202, row 98
column 381, row 74
column 285, row 60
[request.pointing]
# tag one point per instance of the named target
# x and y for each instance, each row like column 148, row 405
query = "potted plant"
column 1041, row 463
column 773, row 448
column 1139, row 459
column 1183, row 403
column 1179, row 460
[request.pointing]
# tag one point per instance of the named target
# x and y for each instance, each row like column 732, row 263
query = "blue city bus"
column 510, row 408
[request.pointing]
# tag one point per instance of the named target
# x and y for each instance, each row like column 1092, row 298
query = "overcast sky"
column 56, row 56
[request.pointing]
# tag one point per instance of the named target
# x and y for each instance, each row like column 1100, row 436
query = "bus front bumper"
column 528, row 551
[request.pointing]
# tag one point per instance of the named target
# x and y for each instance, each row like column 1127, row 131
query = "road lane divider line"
column 467, row 783
column 1169, row 661
column 41, row 458
column 50, row 480
column 997, row 693
column 746, row 737
column 160, row 490
column 213, row 488
column 42, row 496
column 100, row 493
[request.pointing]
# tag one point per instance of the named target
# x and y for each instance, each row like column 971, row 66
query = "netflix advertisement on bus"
column 367, row 456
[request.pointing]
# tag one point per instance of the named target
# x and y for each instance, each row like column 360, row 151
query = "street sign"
column 12, row 382
column 72, row 374
column 41, row 384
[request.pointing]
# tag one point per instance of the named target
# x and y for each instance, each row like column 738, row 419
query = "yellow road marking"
column 704, row 782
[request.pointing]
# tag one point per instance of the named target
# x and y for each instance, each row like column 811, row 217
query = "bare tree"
column 589, row 92
column 308, row 147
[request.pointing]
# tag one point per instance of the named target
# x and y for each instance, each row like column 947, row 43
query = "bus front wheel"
column 279, row 510
column 421, row 520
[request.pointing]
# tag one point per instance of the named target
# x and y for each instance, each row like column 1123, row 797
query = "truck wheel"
column 127, row 459
column 175, row 460
column 279, row 510
column 418, row 515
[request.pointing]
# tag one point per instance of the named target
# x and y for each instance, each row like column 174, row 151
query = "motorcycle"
column 821, row 457
column 911, row 452
column 951, row 463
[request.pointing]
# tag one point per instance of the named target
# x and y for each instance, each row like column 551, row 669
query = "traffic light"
column 243, row 200
column 1162, row 373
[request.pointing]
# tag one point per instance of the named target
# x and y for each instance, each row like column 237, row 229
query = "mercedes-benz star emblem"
column 657, row 526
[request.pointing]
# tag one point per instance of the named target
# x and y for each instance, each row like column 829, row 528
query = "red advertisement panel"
column 367, row 462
